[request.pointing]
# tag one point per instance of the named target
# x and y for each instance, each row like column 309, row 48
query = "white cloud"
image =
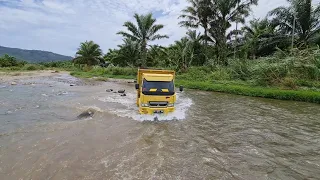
column 60, row 25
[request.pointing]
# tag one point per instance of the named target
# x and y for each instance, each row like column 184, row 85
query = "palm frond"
column 127, row 35
column 154, row 29
column 133, row 29
column 155, row 37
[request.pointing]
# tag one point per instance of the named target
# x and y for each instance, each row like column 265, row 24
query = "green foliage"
column 32, row 67
column 127, row 55
column 306, row 17
column 221, row 73
column 88, row 53
column 307, row 96
column 68, row 65
column 9, row 61
column 145, row 30
column 197, row 14
column 302, row 66
column 260, row 38
column 196, row 74
column 109, row 72
column 218, row 15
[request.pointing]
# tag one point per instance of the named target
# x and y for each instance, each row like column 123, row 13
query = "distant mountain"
column 33, row 56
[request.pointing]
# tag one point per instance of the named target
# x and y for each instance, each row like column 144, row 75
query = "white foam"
column 131, row 110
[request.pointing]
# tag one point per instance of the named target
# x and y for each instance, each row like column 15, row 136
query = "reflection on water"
column 218, row 136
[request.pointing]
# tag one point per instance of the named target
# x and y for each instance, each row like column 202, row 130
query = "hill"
column 33, row 56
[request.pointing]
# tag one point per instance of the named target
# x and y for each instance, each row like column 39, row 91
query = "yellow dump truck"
column 156, row 91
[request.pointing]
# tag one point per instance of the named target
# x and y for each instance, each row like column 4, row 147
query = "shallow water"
column 210, row 136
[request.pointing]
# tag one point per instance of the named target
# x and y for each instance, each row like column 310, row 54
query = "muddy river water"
column 210, row 136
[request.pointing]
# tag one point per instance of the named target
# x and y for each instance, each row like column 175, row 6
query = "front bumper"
column 155, row 110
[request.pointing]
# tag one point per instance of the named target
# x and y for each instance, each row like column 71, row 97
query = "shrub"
column 195, row 74
column 220, row 74
column 240, row 69
column 289, row 83
column 33, row 67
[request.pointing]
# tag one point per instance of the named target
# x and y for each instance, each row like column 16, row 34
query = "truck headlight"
column 170, row 105
column 144, row 105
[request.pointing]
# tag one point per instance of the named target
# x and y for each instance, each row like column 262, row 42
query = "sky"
column 60, row 25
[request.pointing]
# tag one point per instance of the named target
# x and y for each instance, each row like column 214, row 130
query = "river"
column 210, row 136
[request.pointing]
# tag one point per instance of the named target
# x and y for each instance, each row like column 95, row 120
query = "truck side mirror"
column 181, row 88
column 137, row 86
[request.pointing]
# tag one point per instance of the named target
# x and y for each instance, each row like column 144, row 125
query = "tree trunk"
column 144, row 53
column 206, row 38
column 206, row 44
column 222, row 50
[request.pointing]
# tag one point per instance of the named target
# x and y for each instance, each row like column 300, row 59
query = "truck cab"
column 155, row 91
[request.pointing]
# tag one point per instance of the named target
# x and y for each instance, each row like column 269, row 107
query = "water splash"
column 130, row 109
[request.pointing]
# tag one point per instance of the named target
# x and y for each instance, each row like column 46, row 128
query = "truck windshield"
column 159, row 86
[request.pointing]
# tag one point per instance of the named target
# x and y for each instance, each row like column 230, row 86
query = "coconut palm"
column 88, row 53
column 307, row 24
column 146, row 30
column 198, row 14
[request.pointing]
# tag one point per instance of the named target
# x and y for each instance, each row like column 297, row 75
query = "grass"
column 99, row 76
column 274, row 93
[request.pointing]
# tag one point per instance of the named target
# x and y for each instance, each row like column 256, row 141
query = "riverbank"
column 306, row 91
column 8, row 76
column 273, row 93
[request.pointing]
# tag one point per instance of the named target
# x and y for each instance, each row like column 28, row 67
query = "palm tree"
column 300, row 19
column 187, row 51
column 181, row 54
column 129, row 52
column 88, row 53
column 195, row 43
column 259, row 35
column 224, row 13
column 198, row 14
column 145, row 30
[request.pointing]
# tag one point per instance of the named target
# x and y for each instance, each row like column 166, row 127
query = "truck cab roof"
column 158, row 77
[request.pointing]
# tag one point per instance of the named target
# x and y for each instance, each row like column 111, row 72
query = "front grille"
column 158, row 104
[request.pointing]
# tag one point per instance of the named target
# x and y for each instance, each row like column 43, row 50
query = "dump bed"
column 153, row 71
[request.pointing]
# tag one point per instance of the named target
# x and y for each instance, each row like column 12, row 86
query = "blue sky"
column 60, row 25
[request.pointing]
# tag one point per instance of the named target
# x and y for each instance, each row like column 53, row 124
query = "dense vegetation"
column 33, row 56
column 10, row 63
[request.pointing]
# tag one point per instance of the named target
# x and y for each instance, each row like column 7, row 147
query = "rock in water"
column 123, row 95
column 13, row 83
column 109, row 90
column 72, row 84
column 121, row 91
column 86, row 114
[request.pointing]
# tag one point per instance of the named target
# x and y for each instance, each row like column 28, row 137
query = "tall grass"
column 109, row 72
column 300, row 69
